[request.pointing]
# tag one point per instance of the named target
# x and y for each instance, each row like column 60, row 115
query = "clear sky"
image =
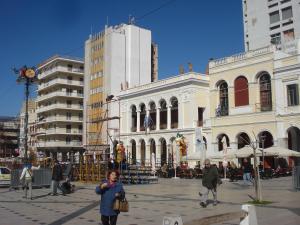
column 185, row 31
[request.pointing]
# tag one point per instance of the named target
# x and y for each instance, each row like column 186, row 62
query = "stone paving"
column 150, row 203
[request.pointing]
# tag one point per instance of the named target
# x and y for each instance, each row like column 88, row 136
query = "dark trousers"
column 109, row 220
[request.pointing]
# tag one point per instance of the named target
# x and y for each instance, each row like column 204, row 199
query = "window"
column 68, row 140
column 200, row 116
column 80, row 117
column 289, row 35
column 287, row 13
column 68, row 128
column 70, row 67
column 80, row 129
column 274, row 17
column 292, row 94
column 69, row 104
column 69, row 115
column 241, row 91
column 276, row 39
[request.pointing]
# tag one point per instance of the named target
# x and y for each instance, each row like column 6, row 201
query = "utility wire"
column 155, row 10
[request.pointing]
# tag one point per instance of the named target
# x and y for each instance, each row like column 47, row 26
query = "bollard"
column 250, row 218
column 172, row 220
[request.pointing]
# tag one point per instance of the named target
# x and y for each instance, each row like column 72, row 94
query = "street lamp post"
column 27, row 76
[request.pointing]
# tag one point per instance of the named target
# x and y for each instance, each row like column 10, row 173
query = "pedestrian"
column 210, row 180
column 232, row 171
column 247, row 170
column 27, row 179
column 56, row 178
column 109, row 190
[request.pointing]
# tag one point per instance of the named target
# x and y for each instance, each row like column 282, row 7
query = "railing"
column 222, row 112
column 59, row 81
column 58, row 94
column 59, row 144
column 59, row 69
column 54, row 106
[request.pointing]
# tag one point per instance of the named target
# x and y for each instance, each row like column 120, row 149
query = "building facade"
column 270, row 21
column 254, row 97
column 32, row 126
column 60, row 106
column 177, row 105
column 287, row 82
column 117, row 58
column 9, row 136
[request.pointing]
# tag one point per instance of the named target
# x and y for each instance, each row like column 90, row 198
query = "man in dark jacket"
column 56, row 178
column 210, row 180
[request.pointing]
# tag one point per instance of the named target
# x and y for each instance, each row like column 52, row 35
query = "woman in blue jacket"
column 109, row 190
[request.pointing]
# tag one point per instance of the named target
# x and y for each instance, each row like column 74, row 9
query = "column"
column 158, row 118
column 138, row 121
column 158, row 152
column 169, row 117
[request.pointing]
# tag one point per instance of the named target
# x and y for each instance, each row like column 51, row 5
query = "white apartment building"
column 117, row 58
column 179, row 104
column 60, row 106
column 270, row 21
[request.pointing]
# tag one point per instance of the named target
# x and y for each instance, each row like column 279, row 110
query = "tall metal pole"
column 26, row 119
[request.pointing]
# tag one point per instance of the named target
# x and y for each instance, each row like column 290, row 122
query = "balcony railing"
column 60, row 69
column 42, row 144
column 59, row 94
column 221, row 111
column 59, row 81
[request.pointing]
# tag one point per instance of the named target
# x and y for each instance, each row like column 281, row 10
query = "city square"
column 150, row 203
column 187, row 110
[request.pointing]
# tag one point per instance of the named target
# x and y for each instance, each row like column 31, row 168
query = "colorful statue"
column 120, row 152
column 180, row 141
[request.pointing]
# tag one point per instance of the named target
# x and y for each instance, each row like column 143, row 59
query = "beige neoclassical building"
column 175, row 105
column 255, row 96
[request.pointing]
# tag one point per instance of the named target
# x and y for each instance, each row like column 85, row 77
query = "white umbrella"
column 281, row 152
column 230, row 154
column 246, row 152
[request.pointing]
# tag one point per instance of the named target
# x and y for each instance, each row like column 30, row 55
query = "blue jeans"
column 247, row 178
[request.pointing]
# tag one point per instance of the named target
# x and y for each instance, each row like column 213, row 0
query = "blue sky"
column 185, row 31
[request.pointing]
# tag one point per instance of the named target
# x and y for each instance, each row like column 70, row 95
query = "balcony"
column 61, row 69
column 59, row 81
column 59, row 106
column 59, row 131
column 59, row 94
column 73, row 119
column 55, row 144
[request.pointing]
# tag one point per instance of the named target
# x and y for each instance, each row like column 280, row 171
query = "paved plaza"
column 150, row 203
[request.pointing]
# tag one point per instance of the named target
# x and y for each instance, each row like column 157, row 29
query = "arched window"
column 241, row 93
column 174, row 112
column 132, row 158
column 143, row 152
column 242, row 140
column 142, row 116
column 152, row 114
column 163, row 151
column 133, row 118
column 265, row 92
column 163, row 114
column 223, row 141
column 222, row 109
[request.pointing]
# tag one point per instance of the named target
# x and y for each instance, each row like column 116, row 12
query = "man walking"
column 247, row 170
column 209, row 181
column 27, row 178
column 56, row 178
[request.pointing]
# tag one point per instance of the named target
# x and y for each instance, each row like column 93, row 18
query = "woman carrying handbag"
column 109, row 190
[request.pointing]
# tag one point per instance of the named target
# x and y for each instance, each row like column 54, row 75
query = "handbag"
column 121, row 205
